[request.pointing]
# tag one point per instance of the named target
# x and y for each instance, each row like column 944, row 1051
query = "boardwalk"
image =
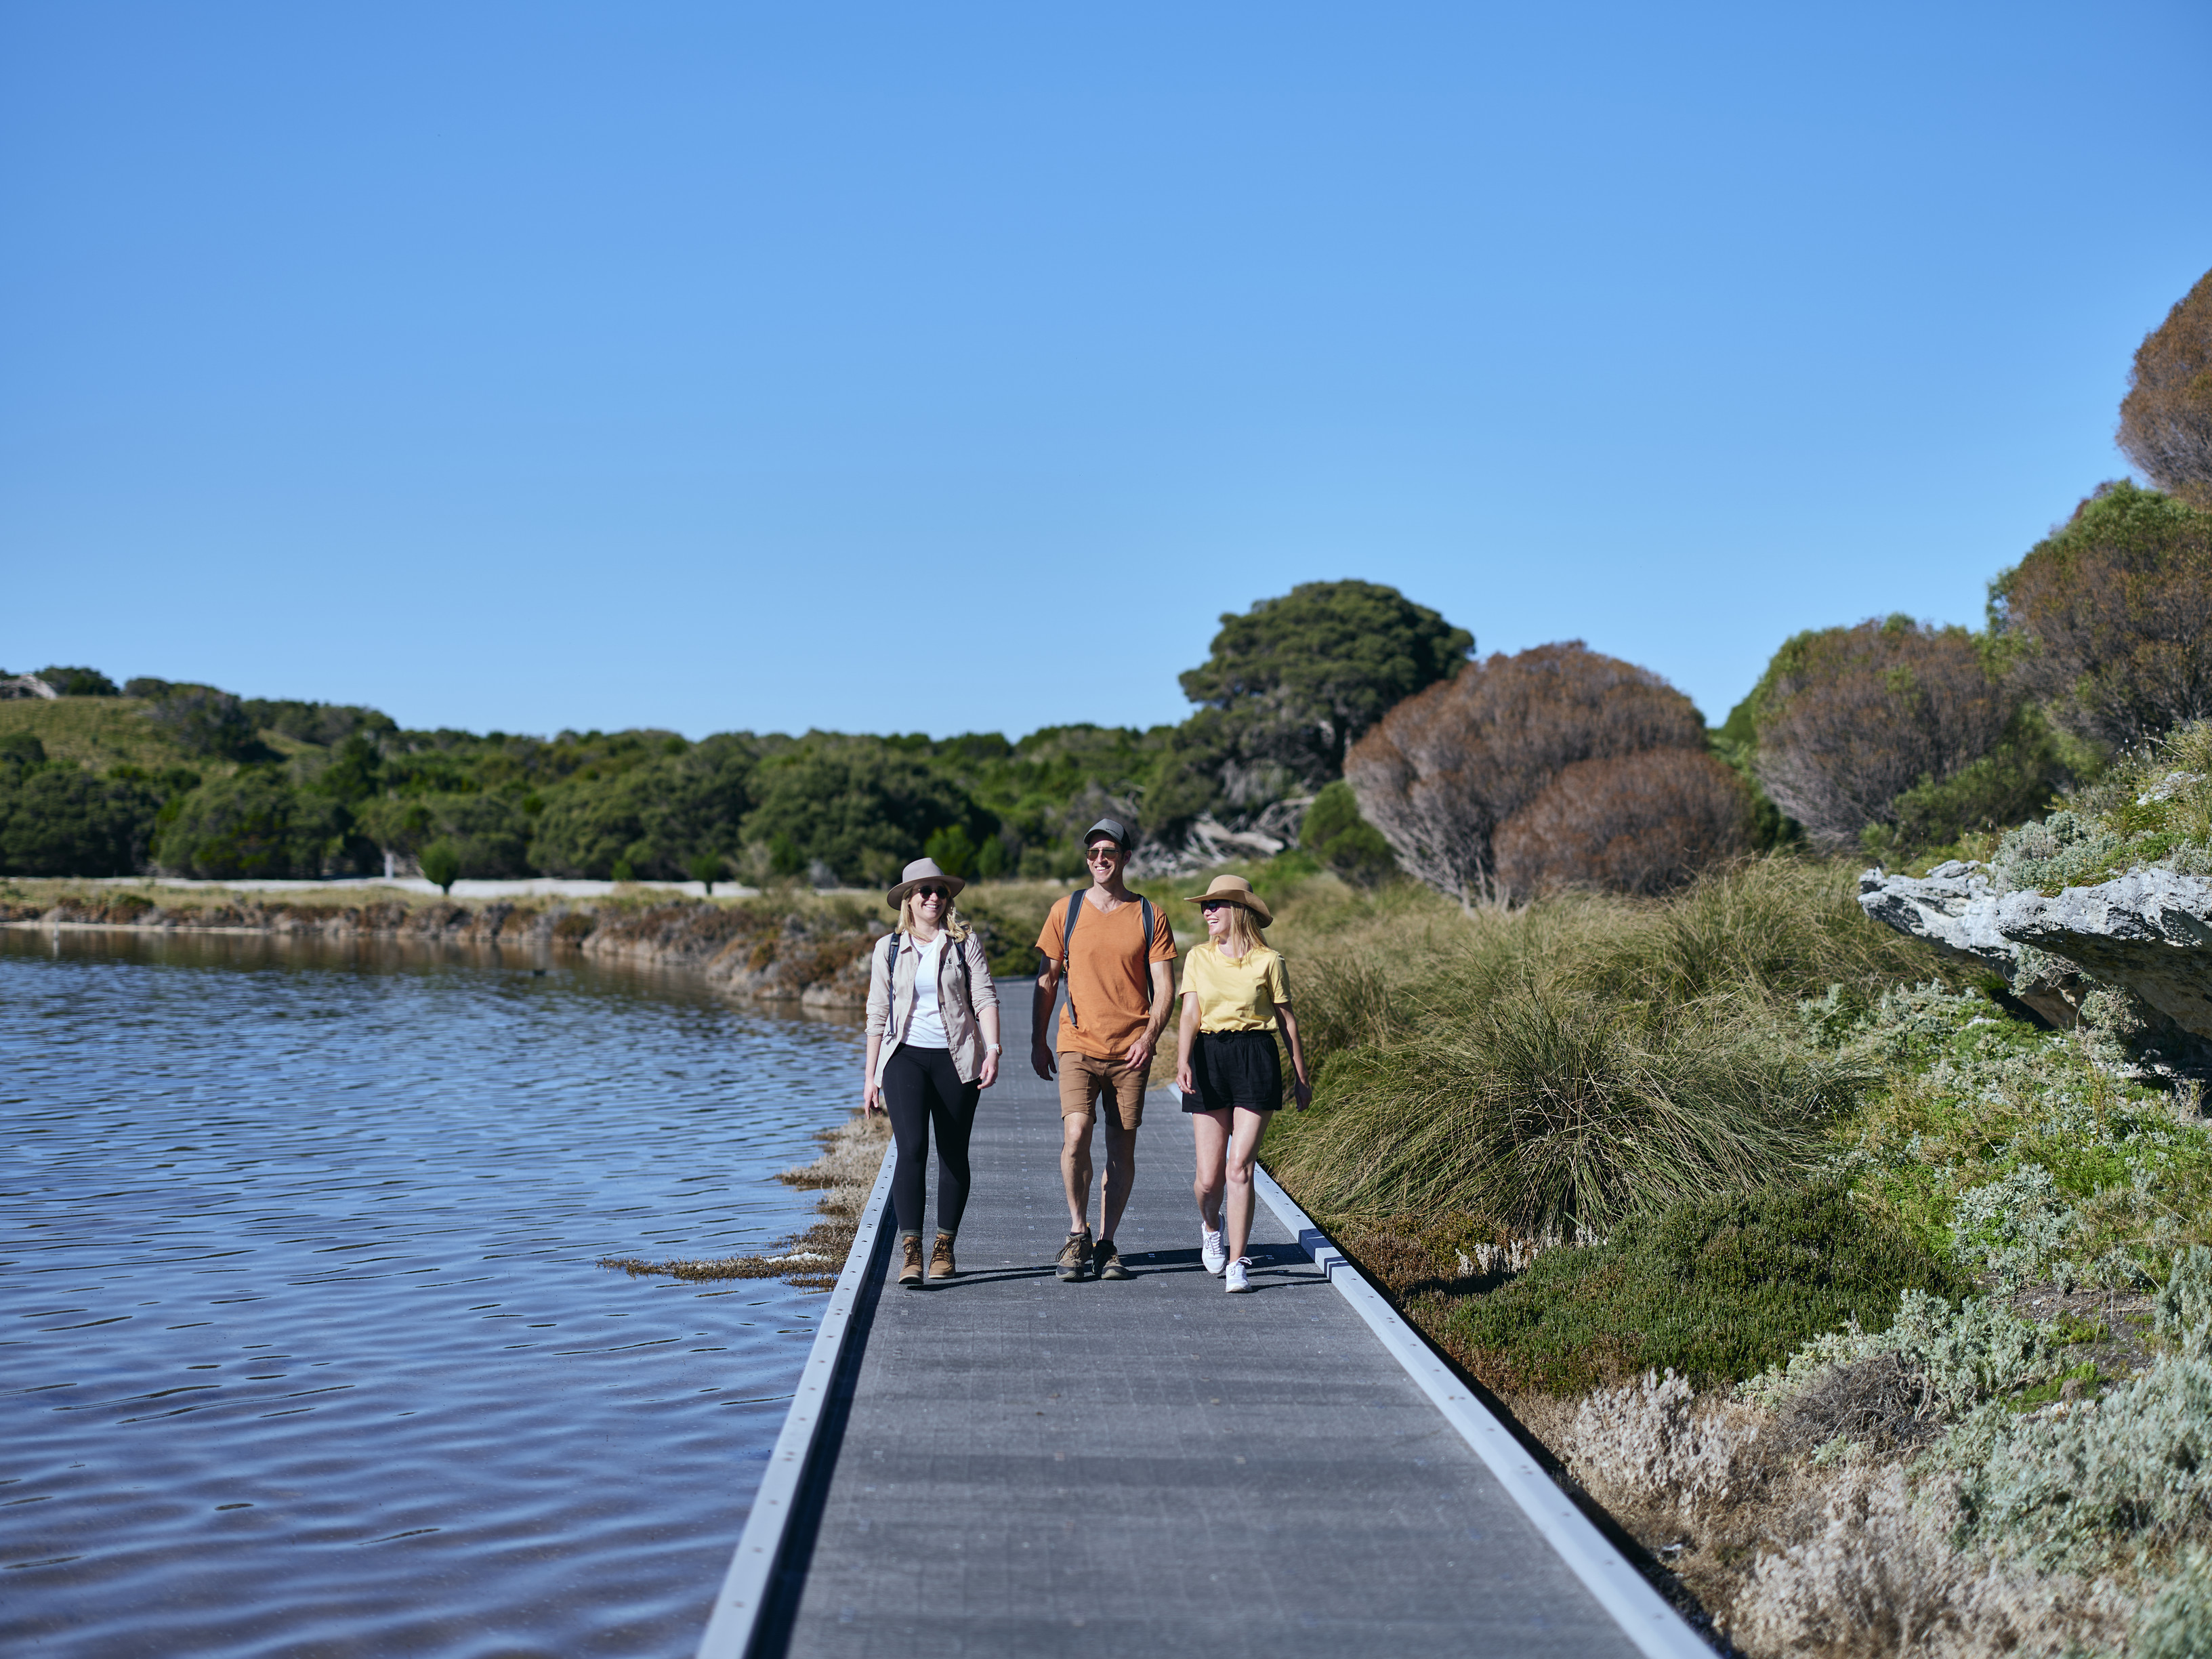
column 1022, row 1467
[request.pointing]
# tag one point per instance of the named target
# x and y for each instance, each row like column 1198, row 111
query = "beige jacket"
column 891, row 1002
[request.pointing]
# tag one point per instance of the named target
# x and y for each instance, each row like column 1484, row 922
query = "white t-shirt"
column 926, row 1029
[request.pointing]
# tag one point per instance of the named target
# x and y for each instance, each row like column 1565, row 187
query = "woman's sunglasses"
column 933, row 892
column 1211, row 905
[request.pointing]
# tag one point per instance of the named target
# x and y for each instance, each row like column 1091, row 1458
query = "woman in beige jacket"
column 932, row 1048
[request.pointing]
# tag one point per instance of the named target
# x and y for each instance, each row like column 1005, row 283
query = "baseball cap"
column 1113, row 828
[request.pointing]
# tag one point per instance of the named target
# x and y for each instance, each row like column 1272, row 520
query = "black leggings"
column 920, row 1088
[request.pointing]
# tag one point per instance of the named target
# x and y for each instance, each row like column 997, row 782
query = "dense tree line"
column 294, row 788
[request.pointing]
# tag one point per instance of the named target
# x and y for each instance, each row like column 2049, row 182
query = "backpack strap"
column 1067, row 946
column 1145, row 954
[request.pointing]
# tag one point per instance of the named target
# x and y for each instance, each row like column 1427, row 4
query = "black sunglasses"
column 933, row 892
column 1209, row 906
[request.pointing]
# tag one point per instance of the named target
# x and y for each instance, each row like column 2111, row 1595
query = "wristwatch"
column 991, row 1048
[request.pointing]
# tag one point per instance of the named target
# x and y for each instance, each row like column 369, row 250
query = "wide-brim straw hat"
column 1234, row 889
column 914, row 874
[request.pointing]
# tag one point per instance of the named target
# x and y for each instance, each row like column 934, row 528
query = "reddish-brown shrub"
column 1445, row 768
column 2117, row 608
column 1851, row 717
column 1633, row 823
column 2165, row 420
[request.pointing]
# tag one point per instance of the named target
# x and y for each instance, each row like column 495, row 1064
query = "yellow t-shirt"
column 1235, row 996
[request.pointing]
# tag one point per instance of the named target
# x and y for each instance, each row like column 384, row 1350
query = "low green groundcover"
column 1717, row 1290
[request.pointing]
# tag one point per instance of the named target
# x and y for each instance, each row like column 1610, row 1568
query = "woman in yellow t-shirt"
column 1235, row 997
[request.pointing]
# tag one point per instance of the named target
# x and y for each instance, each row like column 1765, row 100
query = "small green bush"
column 1718, row 1290
column 1333, row 832
column 442, row 865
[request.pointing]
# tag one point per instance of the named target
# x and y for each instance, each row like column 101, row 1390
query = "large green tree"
column 860, row 806
column 1301, row 677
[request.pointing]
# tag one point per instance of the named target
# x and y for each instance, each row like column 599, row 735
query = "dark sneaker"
column 940, row 1259
column 910, row 1274
column 1106, row 1261
column 1074, row 1256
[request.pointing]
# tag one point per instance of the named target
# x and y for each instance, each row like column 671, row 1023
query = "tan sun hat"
column 1234, row 889
column 914, row 874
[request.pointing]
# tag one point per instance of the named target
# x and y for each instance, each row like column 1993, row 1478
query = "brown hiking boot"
column 940, row 1259
column 1074, row 1256
column 910, row 1274
column 1106, row 1260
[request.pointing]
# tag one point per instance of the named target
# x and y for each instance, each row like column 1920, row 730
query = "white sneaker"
column 1236, row 1281
column 1212, row 1251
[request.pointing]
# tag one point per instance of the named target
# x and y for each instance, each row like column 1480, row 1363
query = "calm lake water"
column 302, row 1350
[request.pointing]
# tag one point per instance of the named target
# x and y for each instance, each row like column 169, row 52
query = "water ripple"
column 301, row 1348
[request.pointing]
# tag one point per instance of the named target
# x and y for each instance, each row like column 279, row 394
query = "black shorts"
column 1235, row 1068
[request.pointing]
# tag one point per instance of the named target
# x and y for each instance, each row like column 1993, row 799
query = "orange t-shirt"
column 1109, row 979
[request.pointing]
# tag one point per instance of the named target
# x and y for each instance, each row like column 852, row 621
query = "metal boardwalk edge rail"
column 1643, row 1615
column 747, row 1585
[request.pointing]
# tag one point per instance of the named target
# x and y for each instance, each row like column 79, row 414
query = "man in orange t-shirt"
column 1121, row 988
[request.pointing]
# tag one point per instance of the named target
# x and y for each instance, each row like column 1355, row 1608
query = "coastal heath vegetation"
column 1779, row 1232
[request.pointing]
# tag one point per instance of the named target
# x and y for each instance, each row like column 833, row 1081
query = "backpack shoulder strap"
column 1145, row 951
column 1066, row 944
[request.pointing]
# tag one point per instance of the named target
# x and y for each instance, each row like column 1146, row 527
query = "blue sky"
column 952, row 369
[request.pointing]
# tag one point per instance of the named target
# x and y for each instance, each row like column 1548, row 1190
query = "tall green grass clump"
column 1556, row 1070
column 1550, row 1116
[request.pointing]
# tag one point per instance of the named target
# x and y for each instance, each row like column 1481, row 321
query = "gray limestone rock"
column 1955, row 909
column 1952, row 907
column 2149, row 931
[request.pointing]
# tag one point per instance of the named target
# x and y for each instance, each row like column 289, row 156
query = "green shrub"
column 2152, row 807
column 442, row 865
column 953, row 849
column 2137, row 1469
column 57, row 820
column 254, row 824
column 79, row 682
column 1719, row 1290
column 1333, row 832
column 2115, row 611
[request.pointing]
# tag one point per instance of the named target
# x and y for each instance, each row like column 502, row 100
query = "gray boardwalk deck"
column 1020, row 1466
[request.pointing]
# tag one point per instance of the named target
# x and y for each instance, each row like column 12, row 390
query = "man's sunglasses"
column 1105, row 849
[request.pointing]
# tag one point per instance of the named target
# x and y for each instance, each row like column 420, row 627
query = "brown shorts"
column 1083, row 1080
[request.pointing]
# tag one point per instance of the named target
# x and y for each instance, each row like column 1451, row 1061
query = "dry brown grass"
column 1848, row 1561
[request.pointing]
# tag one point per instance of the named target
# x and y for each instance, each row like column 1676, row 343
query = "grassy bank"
column 1853, row 1295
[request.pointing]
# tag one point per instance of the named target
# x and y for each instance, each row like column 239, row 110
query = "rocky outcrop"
column 1952, row 907
column 766, row 957
column 2148, row 931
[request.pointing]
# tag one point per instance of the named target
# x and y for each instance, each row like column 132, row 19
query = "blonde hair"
column 953, row 927
column 1244, row 933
